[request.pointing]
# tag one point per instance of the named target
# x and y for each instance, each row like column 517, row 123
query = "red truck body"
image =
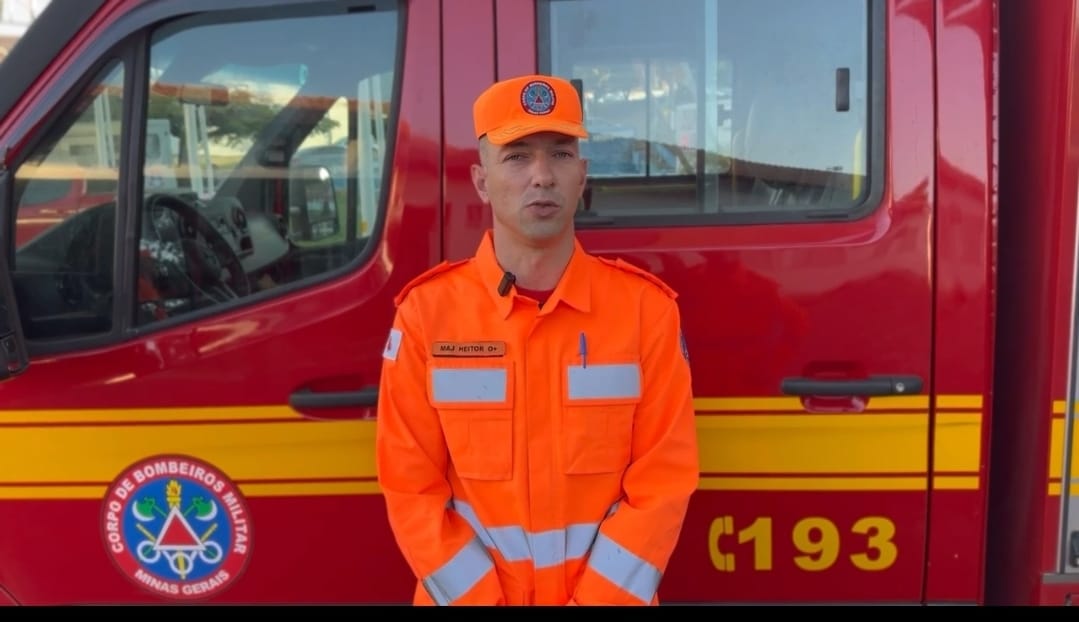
column 868, row 209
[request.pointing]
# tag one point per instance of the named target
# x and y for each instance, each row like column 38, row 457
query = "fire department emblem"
column 177, row 527
column 538, row 98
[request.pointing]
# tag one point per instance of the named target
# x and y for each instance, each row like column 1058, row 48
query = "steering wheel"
column 211, row 256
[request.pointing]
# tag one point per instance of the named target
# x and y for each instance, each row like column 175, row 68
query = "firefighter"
column 536, row 440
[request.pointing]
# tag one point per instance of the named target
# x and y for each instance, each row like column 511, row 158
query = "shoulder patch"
column 625, row 266
column 427, row 275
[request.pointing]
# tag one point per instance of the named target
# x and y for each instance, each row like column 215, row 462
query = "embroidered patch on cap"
column 468, row 348
column 393, row 344
column 537, row 97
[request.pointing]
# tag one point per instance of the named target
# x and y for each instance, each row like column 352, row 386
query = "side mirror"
column 313, row 215
column 13, row 357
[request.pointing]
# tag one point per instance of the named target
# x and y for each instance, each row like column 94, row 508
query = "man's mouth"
column 543, row 205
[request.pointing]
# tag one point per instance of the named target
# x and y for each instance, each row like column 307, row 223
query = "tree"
column 233, row 124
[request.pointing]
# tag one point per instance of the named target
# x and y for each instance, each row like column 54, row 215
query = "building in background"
column 15, row 18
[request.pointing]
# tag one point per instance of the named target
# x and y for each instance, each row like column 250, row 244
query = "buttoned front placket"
column 533, row 427
column 538, row 341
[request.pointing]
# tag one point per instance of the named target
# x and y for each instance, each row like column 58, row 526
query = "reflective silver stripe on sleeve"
column 544, row 548
column 511, row 542
column 580, row 538
column 468, row 385
column 604, row 381
column 561, row 545
column 467, row 513
column 459, row 575
column 620, row 566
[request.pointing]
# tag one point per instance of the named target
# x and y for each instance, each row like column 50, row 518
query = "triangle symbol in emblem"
column 176, row 533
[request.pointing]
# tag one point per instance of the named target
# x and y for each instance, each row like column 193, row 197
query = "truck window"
column 719, row 110
column 264, row 154
column 263, row 136
column 64, row 194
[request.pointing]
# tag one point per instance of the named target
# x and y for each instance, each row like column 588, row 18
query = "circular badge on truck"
column 177, row 527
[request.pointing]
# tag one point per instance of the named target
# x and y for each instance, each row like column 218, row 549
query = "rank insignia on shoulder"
column 468, row 348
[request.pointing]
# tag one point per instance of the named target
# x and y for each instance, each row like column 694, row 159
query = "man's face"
column 533, row 185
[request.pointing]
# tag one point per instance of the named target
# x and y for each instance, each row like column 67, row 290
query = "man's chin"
column 547, row 232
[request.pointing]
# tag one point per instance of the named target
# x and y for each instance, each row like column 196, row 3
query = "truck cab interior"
column 259, row 165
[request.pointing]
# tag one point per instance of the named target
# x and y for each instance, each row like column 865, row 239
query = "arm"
column 634, row 543
column 442, row 550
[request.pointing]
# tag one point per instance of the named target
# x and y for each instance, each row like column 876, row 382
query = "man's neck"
column 537, row 268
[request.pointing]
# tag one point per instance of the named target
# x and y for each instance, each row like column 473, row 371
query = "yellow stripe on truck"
column 838, row 452
column 794, row 404
column 1056, row 457
column 273, row 451
column 91, row 416
column 957, row 439
column 296, row 456
column 807, row 443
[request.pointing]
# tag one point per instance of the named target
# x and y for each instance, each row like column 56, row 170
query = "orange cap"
column 516, row 107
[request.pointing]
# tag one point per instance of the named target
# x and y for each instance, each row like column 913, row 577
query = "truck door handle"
column 306, row 398
column 873, row 385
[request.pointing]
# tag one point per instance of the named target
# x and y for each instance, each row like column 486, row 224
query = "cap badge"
column 538, row 98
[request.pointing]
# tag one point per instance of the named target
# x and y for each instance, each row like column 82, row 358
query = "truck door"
column 741, row 150
column 196, row 422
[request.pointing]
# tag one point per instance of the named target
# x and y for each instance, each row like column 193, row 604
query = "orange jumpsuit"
column 536, row 455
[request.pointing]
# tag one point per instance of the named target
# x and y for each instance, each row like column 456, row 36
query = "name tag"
column 468, row 348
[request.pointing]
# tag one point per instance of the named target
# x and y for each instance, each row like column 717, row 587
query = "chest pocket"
column 600, row 402
column 474, row 400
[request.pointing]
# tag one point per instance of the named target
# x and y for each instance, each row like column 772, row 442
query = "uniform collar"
column 574, row 288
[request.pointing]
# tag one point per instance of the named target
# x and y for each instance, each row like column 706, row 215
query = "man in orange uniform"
column 536, row 440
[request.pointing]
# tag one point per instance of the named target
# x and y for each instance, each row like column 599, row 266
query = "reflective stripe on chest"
column 469, row 385
column 604, row 381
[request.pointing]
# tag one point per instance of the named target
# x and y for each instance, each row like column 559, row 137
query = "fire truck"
column 868, row 208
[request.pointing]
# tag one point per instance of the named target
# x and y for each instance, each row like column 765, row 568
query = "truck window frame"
column 876, row 154
column 127, row 40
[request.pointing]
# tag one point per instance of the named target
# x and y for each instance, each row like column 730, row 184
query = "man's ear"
column 479, row 180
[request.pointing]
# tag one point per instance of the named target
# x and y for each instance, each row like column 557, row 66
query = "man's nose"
column 542, row 172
